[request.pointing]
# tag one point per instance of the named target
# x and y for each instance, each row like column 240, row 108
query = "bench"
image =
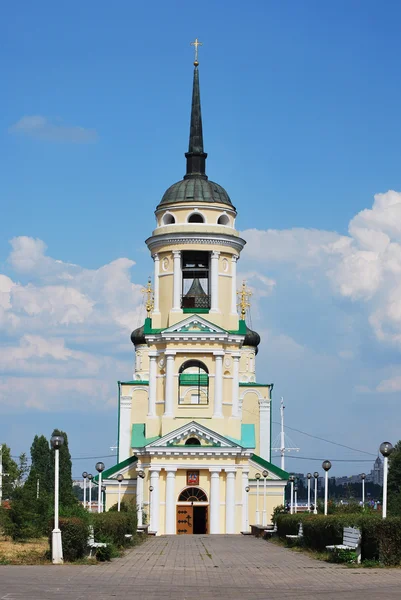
column 351, row 541
column 269, row 531
column 92, row 544
column 298, row 536
column 258, row 530
column 143, row 529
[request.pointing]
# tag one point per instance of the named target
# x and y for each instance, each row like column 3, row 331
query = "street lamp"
column 363, row 477
column 90, row 477
column 103, row 498
column 99, row 468
column 291, row 480
column 151, row 488
column 264, row 520
column 84, row 475
column 296, row 498
column 326, row 464
column 316, row 476
column 257, row 477
column 120, row 477
column 139, row 495
column 57, row 548
column 247, row 510
column 309, row 477
column 386, row 449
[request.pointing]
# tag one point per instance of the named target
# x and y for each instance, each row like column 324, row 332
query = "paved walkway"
column 202, row 567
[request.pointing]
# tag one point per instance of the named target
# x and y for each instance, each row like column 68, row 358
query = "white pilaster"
column 218, row 385
column 234, row 259
column 152, row 384
column 139, row 496
column 169, row 398
column 245, row 513
column 235, row 391
column 214, row 268
column 177, row 278
column 264, row 429
column 154, row 499
column 230, row 501
column 214, row 500
column 124, row 437
column 170, row 500
column 156, row 308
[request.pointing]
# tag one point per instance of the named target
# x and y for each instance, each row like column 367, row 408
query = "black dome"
column 138, row 336
column 252, row 338
column 195, row 189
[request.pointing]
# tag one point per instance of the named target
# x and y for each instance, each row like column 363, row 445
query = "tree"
column 394, row 481
column 67, row 497
column 39, row 482
column 10, row 472
column 23, row 468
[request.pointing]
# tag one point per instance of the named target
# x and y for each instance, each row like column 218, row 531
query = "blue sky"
column 301, row 117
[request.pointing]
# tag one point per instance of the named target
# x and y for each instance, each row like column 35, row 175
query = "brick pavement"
column 209, row 567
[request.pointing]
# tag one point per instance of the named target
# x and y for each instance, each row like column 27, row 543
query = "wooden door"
column 185, row 519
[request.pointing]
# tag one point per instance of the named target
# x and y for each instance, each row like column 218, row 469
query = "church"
column 194, row 423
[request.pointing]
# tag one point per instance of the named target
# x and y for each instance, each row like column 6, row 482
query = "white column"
column 156, row 307
column 170, row 500
column 245, row 514
column 152, row 384
column 214, row 268
column 154, row 497
column 139, row 497
column 177, row 277
column 169, row 399
column 124, row 438
column 218, row 385
column 234, row 259
column 235, row 384
column 214, row 500
column 230, row 501
column 264, row 428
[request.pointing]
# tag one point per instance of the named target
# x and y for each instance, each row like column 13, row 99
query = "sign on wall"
column 192, row 477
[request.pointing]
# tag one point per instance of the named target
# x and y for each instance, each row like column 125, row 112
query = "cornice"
column 177, row 239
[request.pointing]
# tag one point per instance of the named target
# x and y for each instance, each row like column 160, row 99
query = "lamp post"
column 291, row 480
column 326, row 464
column 257, row 477
column 120, row 477
column 296, row 498
column 247, row 510
column 309, row 477
column 386, row 449
column 151, row 488
column 264, row 519
column 99, row 468
column 316, row 476
column 363, row 477
column 139, row 497
column 57, row 548
column 84, row 475
column 90, row 477
column 103, row 498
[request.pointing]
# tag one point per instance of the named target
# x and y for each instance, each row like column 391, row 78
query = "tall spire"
column 196, row 157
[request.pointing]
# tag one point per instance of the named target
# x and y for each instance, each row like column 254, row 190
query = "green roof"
column 270, row 467
column 253, row 384
column 136, row 382
column 118, row 467
column 138, row 438
column 149, row 331
column 247, row 436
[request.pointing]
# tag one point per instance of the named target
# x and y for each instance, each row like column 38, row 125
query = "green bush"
column 74, row 536
column 113, row 526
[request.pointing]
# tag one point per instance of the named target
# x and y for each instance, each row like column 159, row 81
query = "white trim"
column 216, row 206
column 180, row 239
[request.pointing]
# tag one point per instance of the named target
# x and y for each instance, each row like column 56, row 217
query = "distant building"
column 376, row 474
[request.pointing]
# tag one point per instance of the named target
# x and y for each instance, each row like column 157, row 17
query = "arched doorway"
column 192, row 511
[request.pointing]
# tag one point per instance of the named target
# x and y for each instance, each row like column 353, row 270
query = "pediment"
column 194, row 324
column 207, row 438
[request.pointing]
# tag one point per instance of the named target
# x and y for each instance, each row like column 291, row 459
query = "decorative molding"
column 156, row 241
column 126, row 401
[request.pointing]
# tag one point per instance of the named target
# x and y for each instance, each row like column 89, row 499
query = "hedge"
column 74, row 536
column 381, row 538
column 113, row 526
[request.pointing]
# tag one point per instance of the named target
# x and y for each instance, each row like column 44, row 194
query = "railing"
column 195, row 301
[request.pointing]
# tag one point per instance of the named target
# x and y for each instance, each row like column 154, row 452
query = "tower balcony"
column 195, row 302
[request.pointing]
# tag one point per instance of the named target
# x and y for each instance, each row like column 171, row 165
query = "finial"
column 149, row 304
column 196, row 43
column 244, row 303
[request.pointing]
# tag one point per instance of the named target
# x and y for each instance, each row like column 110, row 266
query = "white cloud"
column 52, row 130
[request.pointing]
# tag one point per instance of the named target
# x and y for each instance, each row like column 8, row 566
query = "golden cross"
column 149, row 304
column 196, row 43
column 244, row 303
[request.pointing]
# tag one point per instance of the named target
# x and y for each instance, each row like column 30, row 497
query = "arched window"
column 193, row 382
column 196, row 218
column 192, row 494
column 192, row 441
column 223, row 220
column 168, row 219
